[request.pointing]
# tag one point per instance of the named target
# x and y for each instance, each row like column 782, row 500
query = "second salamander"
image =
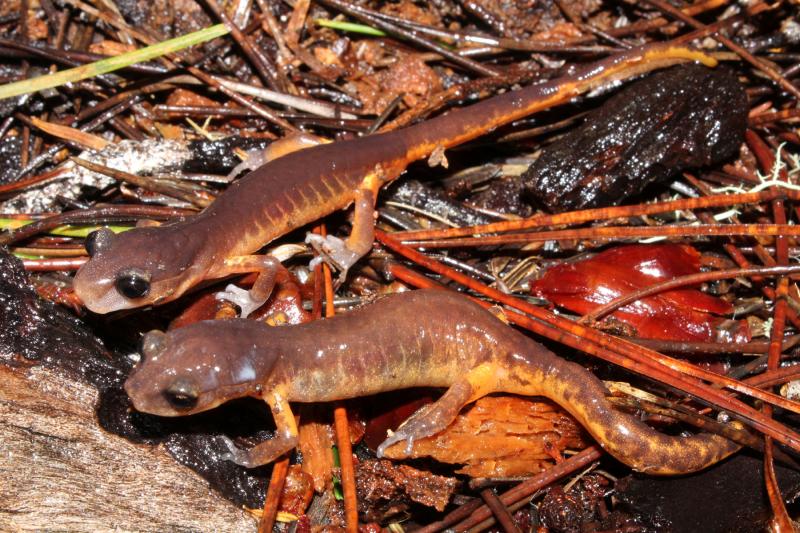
column 425, row 338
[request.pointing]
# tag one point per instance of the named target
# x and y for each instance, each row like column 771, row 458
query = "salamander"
column 156, row 264
column 424, row 338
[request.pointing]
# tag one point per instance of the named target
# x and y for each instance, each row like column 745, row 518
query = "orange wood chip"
column 316, row 440
column 501, row 436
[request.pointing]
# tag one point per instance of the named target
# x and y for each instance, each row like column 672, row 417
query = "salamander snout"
column 190, row 369
column 152, row 343
column 140, row 267
column 118, row 275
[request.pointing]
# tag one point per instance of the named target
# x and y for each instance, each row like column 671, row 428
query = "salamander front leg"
column 285, row 438
column 342, row 254
column 268, row 269
column 432, row 418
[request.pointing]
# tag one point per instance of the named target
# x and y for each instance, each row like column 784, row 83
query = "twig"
column 365, row 15
column 263, row 65
column 347, row 468
column 529, row 486
column 273, row 498
column 499, row 510
column 615, row 232
column 342, row 426
column 602, row 213
column 761, row 65
column 95, row 215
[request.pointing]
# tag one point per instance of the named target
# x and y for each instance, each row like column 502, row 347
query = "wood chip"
column 501, row 436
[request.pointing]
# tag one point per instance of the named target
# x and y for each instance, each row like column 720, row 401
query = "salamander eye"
column 133, row 283
column 151, row 344
column 96, row 241
column 182, row 394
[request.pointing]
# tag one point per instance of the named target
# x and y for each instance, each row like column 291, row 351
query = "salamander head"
column 196, row 368
column 143, row 266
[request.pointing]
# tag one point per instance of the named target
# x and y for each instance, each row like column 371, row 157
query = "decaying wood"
column 387, row 488
column 60, row 471
column 501, row 436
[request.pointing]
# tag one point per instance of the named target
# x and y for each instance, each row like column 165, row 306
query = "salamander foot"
column 333, row 251
column 253, row 160
column 393, row 439
column 240, row 297
column 260, row 454
column 417, row 426
column 237, row 455
column 430, row 419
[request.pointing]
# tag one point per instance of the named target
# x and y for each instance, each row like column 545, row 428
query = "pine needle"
column 111, row 64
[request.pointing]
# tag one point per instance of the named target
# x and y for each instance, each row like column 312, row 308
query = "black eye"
column 181, row 395
column 133, row 283
column 97, row 240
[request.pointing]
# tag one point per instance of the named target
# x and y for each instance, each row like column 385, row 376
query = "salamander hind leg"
column 276, row 149
column 342, row 254
column 430, row 419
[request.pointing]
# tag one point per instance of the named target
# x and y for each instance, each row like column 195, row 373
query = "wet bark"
column 61, row 471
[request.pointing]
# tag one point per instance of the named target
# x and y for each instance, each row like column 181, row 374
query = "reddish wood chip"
column 384, row 488
column 297, row 491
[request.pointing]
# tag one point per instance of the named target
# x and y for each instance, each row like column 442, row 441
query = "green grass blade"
column 111, row 64
column 69, row 230
column 351, row 27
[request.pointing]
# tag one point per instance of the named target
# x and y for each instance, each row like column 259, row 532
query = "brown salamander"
column 425, row 338
column 153, row 265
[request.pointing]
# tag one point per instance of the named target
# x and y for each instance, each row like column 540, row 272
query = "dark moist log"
column 62, row 468
column 685, row 117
